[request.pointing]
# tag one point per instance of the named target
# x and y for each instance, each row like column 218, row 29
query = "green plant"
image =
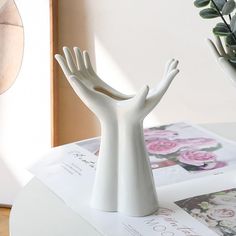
column 227, row 27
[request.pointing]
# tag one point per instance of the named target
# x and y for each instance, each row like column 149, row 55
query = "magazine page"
column 182, row 151
column 215, row 210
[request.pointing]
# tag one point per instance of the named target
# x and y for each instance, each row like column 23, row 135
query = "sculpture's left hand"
column 222, row 57
column 156, row 94
column 145, row 101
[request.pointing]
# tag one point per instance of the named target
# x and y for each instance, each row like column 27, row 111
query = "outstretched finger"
column 69, row 59
column 158, row 93
column 62, row 62
column 220, row 46
column 79, row 59
column 168, row 63
column 172, row 74
column 173, row 65
column 87, row 61
column 165, row 82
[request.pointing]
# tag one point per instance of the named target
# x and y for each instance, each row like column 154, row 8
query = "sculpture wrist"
column 105, row 192
column 134, row 165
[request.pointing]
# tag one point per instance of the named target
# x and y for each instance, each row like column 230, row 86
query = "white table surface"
column 39, row 212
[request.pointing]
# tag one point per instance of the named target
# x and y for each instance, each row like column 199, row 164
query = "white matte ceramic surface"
column 124, row 180
column 222, row 55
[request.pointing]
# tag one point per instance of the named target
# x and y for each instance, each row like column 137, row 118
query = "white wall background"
column 25, row 107
column 132, row 40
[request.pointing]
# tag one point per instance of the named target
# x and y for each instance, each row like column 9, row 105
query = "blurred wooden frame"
column 66, row 108
column 54, row 70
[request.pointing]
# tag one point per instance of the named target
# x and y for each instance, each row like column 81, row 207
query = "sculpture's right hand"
column 80, row 78
column 82, row 68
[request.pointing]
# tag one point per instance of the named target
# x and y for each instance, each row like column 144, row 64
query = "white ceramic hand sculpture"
column 222, row 56
column 124, row 180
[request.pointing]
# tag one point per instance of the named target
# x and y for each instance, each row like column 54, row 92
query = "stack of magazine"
column 194, row 173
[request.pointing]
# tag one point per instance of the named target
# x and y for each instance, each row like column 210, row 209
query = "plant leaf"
column 233, row 23
column 219, row 3
column 201, row 3
column 233, row 60
column 228, row 7
column 231, row 42
column 221, row 30
column 209, row 13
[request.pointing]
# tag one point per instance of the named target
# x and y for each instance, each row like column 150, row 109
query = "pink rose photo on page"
column 216, row 210
column 182, row 151
column 192, row 153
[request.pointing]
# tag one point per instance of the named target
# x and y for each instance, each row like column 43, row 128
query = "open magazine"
column 177, row 152
column 182, row 151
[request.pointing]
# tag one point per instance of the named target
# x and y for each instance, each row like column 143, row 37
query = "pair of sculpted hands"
column 124, row 180
column 95, row 93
